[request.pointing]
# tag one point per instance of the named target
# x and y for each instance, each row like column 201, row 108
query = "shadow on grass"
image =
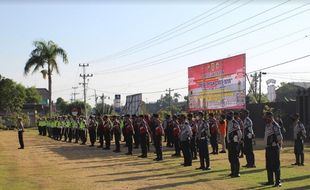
column 307, row 187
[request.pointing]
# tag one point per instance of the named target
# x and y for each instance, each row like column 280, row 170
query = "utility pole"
column 85, row 76
column 74, row 93
column 260, row 86
column 170, row 98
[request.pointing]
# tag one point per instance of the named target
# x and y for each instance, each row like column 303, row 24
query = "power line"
column 184, row 32
column 179, row 55
column 280, row 64
column 85, row 76
column 190, row 21
column 219, row 39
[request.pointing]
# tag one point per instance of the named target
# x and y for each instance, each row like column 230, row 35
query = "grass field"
column 47, row 164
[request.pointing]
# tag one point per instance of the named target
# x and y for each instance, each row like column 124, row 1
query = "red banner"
column 217, row 85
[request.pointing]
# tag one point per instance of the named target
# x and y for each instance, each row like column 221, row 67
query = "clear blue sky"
column 91, row 31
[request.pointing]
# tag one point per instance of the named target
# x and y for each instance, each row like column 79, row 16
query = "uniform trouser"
column 70, row 134
column 169, row 138
column 136, row 138
column 40, row 130
column 177, row 147
column 143, row 141
column 44, row 130
column 62, row 132
column 92, row 136
column 66, row 129
column 83, row 136
column 299, row 151
column 107, row 139
column 21, row 139
column 148, row 143
column 248, row 151
column 273, row 163
column 77, row 135
column 124, row 134
column 213, row 141
column 194, row 147
column 223, row 141
column 186, row 150
column 117, row 142
column 241, row 149
column 129, row 142
column 54, row 132
column 204, row 153
column 48, row 129
column 100, row 135
column 158, row 147
column 233, row 157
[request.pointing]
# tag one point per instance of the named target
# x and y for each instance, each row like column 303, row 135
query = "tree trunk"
column 49, row 74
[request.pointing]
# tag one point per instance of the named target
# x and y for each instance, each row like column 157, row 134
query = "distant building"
column 33, row 110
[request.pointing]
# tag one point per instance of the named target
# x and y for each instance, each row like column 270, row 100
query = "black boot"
column 270, row 178
column 278, row 181
column 302, row 158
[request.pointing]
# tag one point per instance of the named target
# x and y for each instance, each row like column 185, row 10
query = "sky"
column 146, row 47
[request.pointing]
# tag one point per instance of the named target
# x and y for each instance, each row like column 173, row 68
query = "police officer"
column 159, row 132
column 107, row 132
column 39, row 125
column 100, row 131
column 77, row 129
column 203, row 133
column 144, row 133
column 234, row 139
column 129, row 133
column 117, row 133
column 185, row 138
column 299, row 136
column 20, row 128
column 214, row 133
column 248, row 136
column 136, row 135
column 241, row 146
column 44, row 126
column 82, row 126
column 92, row 131
column 193, row 142
column 273, row 141
column 176, row 132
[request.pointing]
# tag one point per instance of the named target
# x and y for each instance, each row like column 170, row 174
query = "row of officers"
column 185, row 133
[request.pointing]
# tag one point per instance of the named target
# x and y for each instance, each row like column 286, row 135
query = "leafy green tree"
column 33, row 96
column 12, row 96
column 61, row 106
column 286, row 92
column 44, row 57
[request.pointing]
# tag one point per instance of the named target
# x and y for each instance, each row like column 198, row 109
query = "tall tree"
column 43, row 58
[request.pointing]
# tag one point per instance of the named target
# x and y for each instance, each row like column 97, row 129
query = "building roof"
column 43, row 92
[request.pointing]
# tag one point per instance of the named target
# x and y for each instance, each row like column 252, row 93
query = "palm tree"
column 44, row 57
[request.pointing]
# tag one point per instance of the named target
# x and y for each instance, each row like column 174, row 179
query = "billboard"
column 133, row 104
column 217, row 85
column 117, row 103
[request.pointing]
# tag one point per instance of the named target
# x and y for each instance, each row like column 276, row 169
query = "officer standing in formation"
column 186, row 134
column 248, row 136
column 299, row 136
column 234, row 138
column 185, row 138
column 159, row 132
column 273, row 141
column 203, row 134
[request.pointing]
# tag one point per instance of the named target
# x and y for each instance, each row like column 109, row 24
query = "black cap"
column 155, row 115
column 200, row 113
